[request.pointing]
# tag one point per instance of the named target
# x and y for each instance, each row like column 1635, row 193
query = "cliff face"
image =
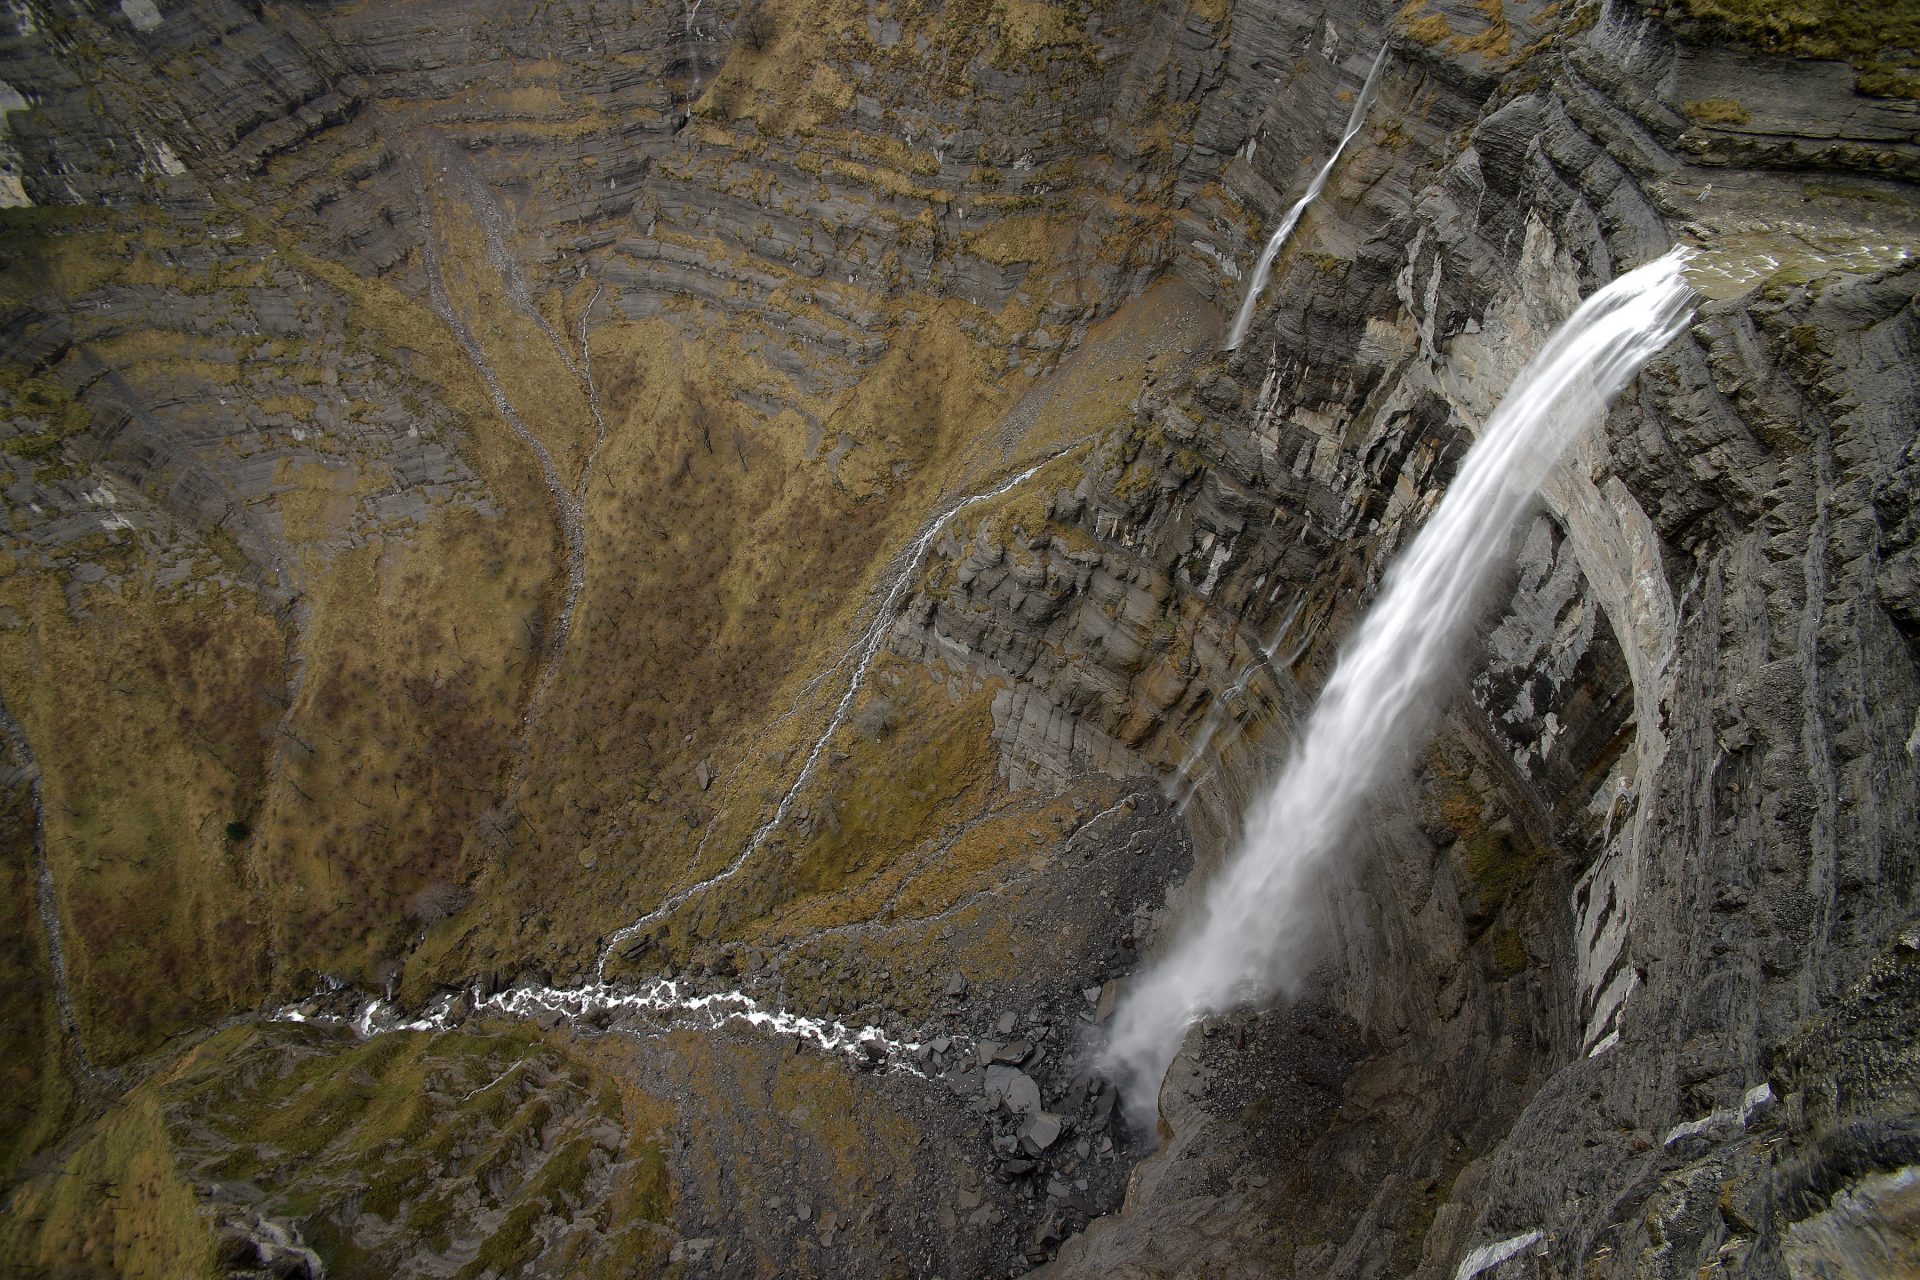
column 481, row 478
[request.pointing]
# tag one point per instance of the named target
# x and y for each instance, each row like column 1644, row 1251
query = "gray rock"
column 1013, row 1089
column 692, row 1251
column 1041, row 1130
column 1013, row 1054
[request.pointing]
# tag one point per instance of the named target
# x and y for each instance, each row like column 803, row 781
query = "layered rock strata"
column 455, row 453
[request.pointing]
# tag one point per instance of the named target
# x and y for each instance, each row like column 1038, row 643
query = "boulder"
column 1014, row 1089
column 1040, row 1132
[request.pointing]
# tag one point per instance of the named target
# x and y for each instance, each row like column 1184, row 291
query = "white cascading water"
column 1250, row 936
column 1243, row 318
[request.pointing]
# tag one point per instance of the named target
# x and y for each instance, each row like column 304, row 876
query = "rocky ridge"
column 1643, row 873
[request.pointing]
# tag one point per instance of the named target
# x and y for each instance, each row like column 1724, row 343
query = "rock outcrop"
column 484, row 482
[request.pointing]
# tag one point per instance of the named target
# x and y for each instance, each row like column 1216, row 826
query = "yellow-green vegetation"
column 119, row 1205
column 1499, row 860
column 1021, row 238
column 1032, row 31
column 984, row 855
column 143, row 773
column 1494, row 41
column 1716, row 111
column 1024, row 510
column 1142, row 457
column 420, row 645
column 1509, row 952
column 832, row 1128
column 1428, row 29
column 418, row 648
column 915, row 762
column 1882, row 41
column 788, row 79
column 34, row 1091
column 828, row 1098
column 46, row 409
column 1092, row 391
column 546, row 396
column 466, row 1142
column 933, row 391
column 417, row 653
column 731, row 553
column 725, row 569
column 63, row 250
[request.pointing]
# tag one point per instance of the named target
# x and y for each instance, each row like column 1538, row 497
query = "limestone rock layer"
column 749, row 495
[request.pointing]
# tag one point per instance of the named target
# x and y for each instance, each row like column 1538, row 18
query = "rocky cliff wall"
column 1657, row 910
column 461, row 450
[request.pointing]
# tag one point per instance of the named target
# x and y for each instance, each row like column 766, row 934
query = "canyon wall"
column 456, row 451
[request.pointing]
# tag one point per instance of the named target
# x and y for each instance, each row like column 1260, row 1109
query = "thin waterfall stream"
column 876, row 632
column 1250, row 933
column 1243, row 318
column 45, row 900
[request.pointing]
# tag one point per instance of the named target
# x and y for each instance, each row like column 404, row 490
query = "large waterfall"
column 1244, row 317
column 1248, row 937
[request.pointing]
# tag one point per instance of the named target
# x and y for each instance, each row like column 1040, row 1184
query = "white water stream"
column 1243, row 318
column 662, row 999
column 1199, row 764
column 1250, row 935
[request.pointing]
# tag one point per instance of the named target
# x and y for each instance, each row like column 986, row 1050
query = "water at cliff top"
column 1244, row 317
column 1248, row 938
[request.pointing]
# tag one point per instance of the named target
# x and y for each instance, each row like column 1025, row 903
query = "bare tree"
column 757, row 26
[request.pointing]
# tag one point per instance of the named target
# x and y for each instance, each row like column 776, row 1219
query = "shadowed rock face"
column 454, row 457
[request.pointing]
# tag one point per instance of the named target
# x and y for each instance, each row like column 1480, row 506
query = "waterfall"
column 1243, row 318
column 1248, row 937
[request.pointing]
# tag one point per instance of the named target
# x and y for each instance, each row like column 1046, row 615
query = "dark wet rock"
column 1041, row 1130
column 1014, row 1053
column 1103, row 1107
column 1013, row 1089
